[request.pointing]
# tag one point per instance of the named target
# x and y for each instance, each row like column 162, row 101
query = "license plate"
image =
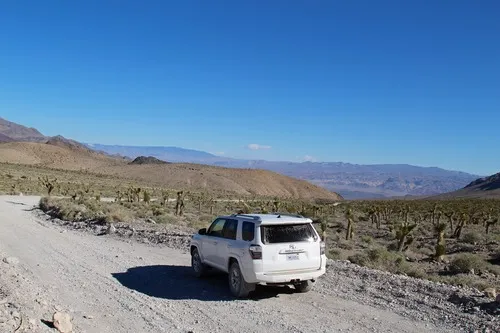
column 292, row 256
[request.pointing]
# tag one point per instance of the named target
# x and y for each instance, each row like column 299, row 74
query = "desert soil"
column 115, row 284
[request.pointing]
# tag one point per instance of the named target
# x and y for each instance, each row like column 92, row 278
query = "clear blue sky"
column 355, row 81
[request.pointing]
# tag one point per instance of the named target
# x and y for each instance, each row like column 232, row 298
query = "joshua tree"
column 440, row 245
column 119, row 196
column 461, row 224
column 350, row 224
column 403, row 235
column 146, row 197
column 137, row 192
column 165, row 196
column 316, row 210
column 246, row 208
column 276, row 205
column 211, row 203
column 450, row 215
column 50, row 185
column 324, row 227
column 490, row 223
column 179, row 205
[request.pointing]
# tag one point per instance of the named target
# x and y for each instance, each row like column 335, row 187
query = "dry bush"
column 465, row 263
column 382, row 259
column 472, row 237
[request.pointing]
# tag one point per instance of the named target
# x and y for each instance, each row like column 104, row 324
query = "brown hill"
column 20, row 132
column 53, row 156
column 147, row 160
column 60, row 141
column 488, row 187
column 198, row 177
column 192, row 177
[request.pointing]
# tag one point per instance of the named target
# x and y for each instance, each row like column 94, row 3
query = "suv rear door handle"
column 215, row 242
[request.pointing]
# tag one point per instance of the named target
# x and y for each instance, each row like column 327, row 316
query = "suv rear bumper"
column 288, row 277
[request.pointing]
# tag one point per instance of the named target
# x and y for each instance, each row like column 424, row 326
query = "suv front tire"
column 198, row 266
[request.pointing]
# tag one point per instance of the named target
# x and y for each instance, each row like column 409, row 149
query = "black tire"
column 199, row 268
column 304, row 286
column 237, row 284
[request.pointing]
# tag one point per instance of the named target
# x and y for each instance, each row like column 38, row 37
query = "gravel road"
column 117, row 285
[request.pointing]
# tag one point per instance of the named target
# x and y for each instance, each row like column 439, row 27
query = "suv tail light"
column 322, row 247
column 255, row 251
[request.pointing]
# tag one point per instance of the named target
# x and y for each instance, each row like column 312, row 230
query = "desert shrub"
column 85, row 210
column 465, row 263
column 343, row 244
column 367, row 239
column 382, row 259
column 118, row 214
column 335, row 254
column 472, row 238
column 167, row 219
column 414, row 271
column 359, row 259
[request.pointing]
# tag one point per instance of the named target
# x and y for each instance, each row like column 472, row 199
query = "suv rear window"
column 287, row 233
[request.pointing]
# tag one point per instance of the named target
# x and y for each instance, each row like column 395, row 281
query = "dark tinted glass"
column 248, row 231
column 230, row 229
column 287, row 233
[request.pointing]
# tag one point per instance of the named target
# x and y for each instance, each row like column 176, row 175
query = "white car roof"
column 276, row 218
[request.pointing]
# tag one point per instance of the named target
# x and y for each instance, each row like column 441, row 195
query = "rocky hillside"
column 5, row 138
column 19, row 132
column 60, row 141
column 487, row 187
column 146, row 160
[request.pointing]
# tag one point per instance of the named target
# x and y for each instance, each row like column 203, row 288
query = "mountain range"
column 486, row 187
column 352, row 181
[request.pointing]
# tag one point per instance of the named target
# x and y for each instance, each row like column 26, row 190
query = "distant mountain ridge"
column 352, row 181
column 19, row 132
column 485, row 187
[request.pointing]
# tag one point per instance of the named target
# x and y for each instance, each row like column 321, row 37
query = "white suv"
column 267, row 249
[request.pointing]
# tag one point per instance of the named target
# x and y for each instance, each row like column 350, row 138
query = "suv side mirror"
column 202, row 231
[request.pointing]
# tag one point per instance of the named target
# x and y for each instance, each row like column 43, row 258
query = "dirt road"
column 111, row 285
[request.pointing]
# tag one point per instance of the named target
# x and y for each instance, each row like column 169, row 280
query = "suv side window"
column 216, row 228
column 230, row 229
column 248, row 231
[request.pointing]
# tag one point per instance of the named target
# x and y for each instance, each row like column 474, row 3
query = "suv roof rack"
column 248, row 216
column 287, row 214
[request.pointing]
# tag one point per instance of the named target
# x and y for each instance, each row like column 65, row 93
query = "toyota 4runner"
column 266, row 249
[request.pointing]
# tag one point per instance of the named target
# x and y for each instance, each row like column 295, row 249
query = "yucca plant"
column 440, row 244
column 489, row 223
column 350, row 223
column 146, row 197
column 179, row 205
column 49, row 184
column 403, row 235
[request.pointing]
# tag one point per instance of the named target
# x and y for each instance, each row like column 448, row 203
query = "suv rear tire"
column 199, row 268
column 237, row 284
column 304, row 286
